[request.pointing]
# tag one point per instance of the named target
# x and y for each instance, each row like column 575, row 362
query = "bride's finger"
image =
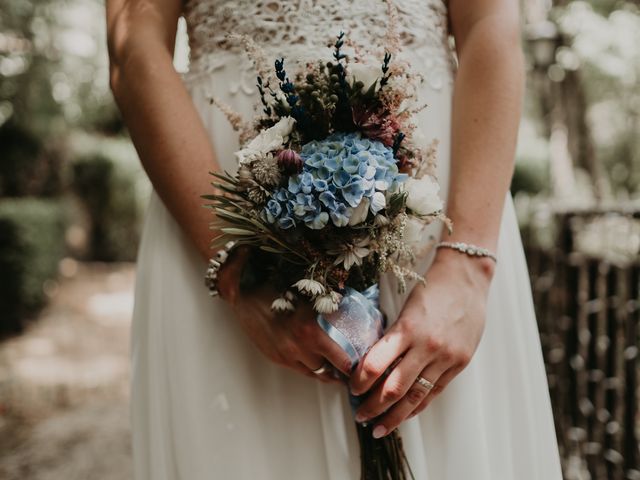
column 377, row 360
column 302, row 368
column 443, row 381
column 416, row 395
column 333, row 353
column 312, row 361
column 394, row 387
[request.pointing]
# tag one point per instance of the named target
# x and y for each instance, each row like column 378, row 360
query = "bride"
column 210, row 396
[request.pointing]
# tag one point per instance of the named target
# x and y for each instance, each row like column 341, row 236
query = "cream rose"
column 267, row 141
column 423, row 195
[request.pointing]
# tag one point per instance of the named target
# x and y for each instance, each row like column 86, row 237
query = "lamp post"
column 543, row 40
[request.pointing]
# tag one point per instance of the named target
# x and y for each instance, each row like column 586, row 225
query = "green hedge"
column 112, row 187
column 31, row 245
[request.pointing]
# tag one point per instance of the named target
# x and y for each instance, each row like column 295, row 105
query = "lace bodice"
column 301, row 29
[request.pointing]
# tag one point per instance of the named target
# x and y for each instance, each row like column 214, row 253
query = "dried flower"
column 327, row 303
column 282, row 305
column 290, row 161
column 258, row 194
column 375, row 126
column 353, row 253
column 266, row 171
column 380, row 220
column 310, row 287
column 392, row 35
column 245, row 176
column 254, row 52
column 234, row 118
column 428, row 160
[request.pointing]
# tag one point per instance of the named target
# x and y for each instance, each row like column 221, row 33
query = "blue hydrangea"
column 338, row 173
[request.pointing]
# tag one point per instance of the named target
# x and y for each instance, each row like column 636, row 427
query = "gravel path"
column 64, row 382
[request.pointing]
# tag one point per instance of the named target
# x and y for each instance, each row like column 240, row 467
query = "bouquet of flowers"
column 332, row 191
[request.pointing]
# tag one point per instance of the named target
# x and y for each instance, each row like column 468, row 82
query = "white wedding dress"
column 207, row 405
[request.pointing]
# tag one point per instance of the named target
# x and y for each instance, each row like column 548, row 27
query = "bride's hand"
column 434, row 337
column 292, row 340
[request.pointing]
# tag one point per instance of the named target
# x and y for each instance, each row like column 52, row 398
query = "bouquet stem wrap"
column 356, row 326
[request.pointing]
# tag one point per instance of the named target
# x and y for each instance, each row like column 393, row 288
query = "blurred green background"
column 72, row 192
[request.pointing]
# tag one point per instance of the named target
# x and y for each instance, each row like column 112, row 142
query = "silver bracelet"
column 215, row 263
column 469, row 249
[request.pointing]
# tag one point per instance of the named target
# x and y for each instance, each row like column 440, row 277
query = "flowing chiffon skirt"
column 207, row 405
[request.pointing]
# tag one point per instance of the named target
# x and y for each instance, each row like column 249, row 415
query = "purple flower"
column 289, row 161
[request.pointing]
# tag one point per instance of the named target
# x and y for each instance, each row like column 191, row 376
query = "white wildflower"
column 423, row 195
column 327, row 303
column 282, row 305
column 353, row 254
column 310, row 287
column 266, row 141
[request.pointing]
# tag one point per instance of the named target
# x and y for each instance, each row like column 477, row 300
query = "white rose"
column 367, row 74
column 266, row 141
column 246, row 156
column 423, row 195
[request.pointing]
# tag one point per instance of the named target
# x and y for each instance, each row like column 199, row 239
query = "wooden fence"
column 588, row 307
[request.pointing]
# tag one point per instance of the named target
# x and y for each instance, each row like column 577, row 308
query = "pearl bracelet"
column 469, row 249
column 215, row 263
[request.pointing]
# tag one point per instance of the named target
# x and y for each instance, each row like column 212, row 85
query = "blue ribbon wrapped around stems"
column 356, row 326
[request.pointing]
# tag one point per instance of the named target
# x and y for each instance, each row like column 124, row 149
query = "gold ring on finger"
column 323, row 369
column 425, row 383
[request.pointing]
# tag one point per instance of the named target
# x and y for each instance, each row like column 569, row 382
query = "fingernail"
column 379, row 431
column 360, row 418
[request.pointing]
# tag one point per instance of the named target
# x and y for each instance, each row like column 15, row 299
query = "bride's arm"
column 486, row 114
column 441, row 324
column 175, row 150
column 165, row 127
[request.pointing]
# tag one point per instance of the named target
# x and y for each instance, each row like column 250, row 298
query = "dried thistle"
column 257, row 194
column 266, row 170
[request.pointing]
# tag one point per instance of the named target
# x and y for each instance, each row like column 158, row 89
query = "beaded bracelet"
column 215, row 263
column 469, row 249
